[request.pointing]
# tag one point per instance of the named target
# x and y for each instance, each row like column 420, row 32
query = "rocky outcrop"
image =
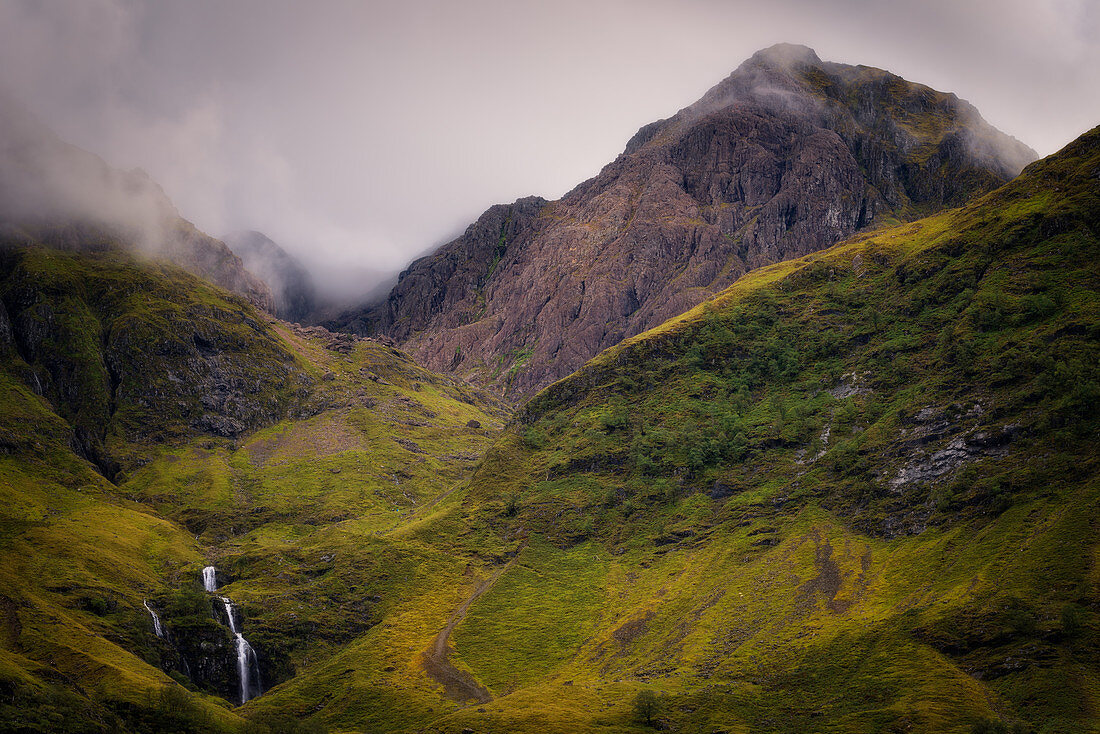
column 786, row 156
column 943, row 440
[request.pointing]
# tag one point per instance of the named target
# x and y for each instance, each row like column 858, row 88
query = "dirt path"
column 423, row 509
column 458, row 684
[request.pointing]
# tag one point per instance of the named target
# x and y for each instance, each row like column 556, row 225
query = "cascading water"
column 246, row 657
column 157, row 628
column 248, row 668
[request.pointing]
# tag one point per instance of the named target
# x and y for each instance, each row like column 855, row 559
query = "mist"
column 359, row 135
column 44, row 181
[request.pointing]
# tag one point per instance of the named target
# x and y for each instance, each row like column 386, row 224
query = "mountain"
column 291, row 285
column 856, row 491
column 786, row 156
column 55, row 193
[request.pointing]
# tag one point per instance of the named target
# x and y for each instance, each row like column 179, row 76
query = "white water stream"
column 156, row 620
column 248, row 669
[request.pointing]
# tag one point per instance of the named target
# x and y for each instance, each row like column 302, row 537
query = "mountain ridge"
column 55, row 193
column 775, row 161
column 855, row 491
column 294, row 295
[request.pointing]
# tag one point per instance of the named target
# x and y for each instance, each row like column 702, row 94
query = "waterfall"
column 156, row 620
column 248, row 667
column 246, row 657
column 163, row 634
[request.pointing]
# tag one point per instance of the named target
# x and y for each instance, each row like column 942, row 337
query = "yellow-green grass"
column 77, row 563
column 694, row 513
column 809, row 594
column 288, row 512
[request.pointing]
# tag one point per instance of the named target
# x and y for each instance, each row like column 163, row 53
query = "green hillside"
column 855, row 492
column 231, row 439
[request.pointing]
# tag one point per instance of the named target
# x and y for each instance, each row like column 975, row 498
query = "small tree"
column 646, row 707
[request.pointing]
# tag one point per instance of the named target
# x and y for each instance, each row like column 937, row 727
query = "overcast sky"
column 364, row 133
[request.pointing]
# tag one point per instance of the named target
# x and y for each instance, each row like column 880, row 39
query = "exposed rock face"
column 57, row 194
column 940, row 443
column 290, row 283
column 205, row 652
column 786, row 156
column 447, row 289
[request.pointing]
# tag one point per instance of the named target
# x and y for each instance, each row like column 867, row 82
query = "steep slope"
column 786, row 156
column 291, row 286
column 77, row 560
column 855, row 492
column 55, row 193
column 132, row 354
column 232, row 439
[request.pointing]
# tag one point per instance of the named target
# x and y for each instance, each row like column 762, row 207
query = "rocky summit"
column 787, row 155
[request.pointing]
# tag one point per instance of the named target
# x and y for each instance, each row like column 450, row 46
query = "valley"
column 838, row 475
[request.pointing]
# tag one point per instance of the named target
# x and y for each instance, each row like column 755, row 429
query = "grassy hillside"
column 153, row 425
column 855, row 492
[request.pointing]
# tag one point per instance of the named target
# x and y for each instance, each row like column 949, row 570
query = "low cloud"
column 45, row 181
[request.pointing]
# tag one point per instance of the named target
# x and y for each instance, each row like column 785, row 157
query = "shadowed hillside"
column 153, row 425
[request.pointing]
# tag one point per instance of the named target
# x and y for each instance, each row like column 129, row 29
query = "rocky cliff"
column 786, row 156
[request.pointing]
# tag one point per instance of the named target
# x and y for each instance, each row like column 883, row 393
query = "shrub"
column 1073, row 620
column 647, row 707
column 511, row 505
column 534, row 438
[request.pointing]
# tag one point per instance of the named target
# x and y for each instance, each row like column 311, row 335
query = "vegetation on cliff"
column 153, row 425
column 854, row 492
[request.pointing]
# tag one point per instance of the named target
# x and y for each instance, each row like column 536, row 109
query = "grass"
column 289, row 510
column 764, row 578
column 717, row 511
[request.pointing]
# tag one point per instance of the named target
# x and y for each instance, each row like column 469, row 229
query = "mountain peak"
column 784, row 55
column 786, row 156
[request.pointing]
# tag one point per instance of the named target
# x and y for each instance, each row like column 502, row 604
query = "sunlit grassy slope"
column 856, row 492
column 339, row 438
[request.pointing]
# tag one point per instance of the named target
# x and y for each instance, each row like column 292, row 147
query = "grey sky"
column 359, row 134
